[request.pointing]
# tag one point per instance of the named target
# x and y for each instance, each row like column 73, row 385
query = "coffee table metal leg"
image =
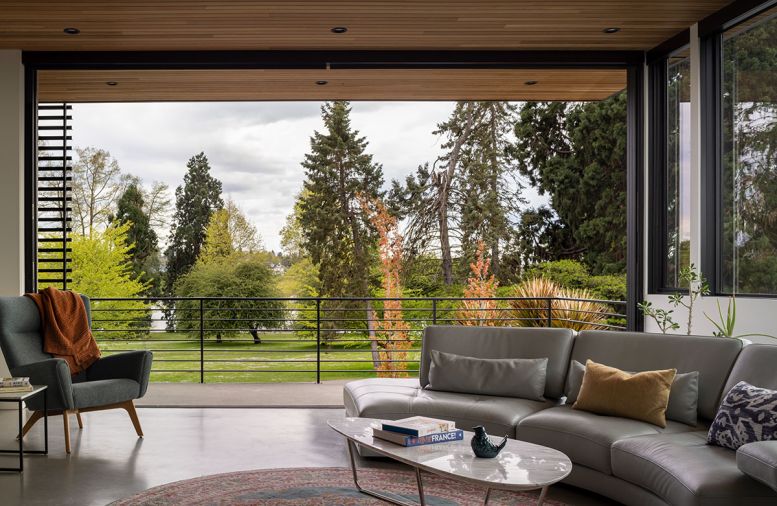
column 543, row 493
column 421, row 497
column 379, row 495
column 488, row 496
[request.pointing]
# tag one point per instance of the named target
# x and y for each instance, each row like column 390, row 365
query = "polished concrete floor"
column 109, row 462
column 327, row 394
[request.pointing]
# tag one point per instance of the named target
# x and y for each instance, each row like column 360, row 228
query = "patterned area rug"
column 321, row 486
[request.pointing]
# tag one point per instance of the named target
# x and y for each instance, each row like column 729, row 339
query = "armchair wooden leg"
column 66, row 422
column 130, row 407
column 36, row 415
column 80, row 422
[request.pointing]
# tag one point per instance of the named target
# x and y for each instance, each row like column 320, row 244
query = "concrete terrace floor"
column 109, row 462
column 328, row 394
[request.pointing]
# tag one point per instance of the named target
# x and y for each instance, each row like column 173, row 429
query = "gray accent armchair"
column 111, row 382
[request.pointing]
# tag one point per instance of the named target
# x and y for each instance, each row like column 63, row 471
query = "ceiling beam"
column 335, row 59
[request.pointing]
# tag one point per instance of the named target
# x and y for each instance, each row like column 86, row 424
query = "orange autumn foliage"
column 481, row 309
column 393, row 332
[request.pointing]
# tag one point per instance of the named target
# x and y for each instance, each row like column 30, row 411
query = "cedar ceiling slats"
column 352, row 84
column 121, row 25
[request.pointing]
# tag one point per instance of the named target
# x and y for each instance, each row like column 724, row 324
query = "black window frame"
column 711, row 30
column 658, row 62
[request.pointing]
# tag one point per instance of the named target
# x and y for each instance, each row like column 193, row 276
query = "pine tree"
column 336, row 234
column 471, row 194
column 490, row 190
column 195, row 202
column 144, row 257
column 427, row 198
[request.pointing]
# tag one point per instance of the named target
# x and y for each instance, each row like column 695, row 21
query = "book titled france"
column 419, row 426
column 406, row 440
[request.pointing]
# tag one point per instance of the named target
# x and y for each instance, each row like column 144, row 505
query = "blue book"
column 406, row 440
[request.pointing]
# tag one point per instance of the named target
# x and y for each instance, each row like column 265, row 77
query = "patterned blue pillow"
column 746, row 415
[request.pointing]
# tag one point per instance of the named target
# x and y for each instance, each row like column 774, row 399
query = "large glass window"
column 677, row 178
column 748, row 184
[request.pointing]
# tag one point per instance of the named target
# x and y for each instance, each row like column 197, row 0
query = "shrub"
column 573, row 274
column 532, row 309
column 579, row 314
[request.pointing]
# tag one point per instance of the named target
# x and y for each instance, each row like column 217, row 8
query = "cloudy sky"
column 254, row 148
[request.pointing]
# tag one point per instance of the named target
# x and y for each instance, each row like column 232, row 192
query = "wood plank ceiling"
column 124, row 25
column 376, row 84
column 191, row 25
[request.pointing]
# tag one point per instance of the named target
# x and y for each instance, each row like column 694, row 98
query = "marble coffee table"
column 520, row 466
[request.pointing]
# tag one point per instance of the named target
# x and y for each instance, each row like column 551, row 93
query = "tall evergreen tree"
column 336, row 233
column 472, row 192
column 195, row 202
column 576, row 154
column 145, row 249
column 427, row 197
column 490, row 190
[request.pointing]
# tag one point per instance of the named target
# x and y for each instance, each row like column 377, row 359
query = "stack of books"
column 418, row 430
column 14, row 385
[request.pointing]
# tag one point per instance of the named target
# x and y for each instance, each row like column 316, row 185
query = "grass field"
column 281, row 357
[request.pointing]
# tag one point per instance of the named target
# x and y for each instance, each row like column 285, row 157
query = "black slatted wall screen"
column 54, row 199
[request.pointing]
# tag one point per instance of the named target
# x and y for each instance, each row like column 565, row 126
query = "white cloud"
column 254, row 148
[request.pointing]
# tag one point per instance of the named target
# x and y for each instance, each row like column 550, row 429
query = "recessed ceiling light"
column 111, row 83
column 321, row 83
column 612, row 29
column 339, row 29
column 530, row 83
column 71, row 31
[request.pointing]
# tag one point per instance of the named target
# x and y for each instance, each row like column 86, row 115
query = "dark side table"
column 18, row 398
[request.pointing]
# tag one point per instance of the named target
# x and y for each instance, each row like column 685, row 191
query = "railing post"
column 318, row 340
column 202, row 340
column 434, row 311
column 550, row 312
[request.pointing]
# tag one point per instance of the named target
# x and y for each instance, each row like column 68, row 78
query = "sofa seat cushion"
column 759, row 461
column 388, row 398
column 101, row 392
column 683, row 470
column 586, row 437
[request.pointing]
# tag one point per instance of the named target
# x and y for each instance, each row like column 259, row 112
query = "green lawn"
column 277, row 359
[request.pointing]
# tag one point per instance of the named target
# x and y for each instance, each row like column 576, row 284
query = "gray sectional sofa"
column 630, row 461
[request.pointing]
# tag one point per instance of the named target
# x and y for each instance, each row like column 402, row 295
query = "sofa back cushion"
column 503, row 342
column 505, row 377
column 713, row 357
column 757, row 365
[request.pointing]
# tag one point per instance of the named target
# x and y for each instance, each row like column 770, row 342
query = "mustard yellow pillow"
column 610, row 391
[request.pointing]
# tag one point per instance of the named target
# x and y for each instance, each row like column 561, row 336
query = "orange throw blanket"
column 65, row 325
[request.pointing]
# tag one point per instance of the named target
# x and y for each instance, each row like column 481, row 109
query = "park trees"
column 471, row 193
column 575, row 153
column 229, row 232
column 144, row 255
column 245, row 277
column 426, row 197
column 97, row 183
column 102, row 267
column 231, row 264
column 195, row 202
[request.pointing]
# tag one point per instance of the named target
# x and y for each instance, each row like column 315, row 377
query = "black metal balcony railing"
column 243, row 339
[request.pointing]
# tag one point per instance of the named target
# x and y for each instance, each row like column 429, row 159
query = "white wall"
column 754, row 315
column 12, row 176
